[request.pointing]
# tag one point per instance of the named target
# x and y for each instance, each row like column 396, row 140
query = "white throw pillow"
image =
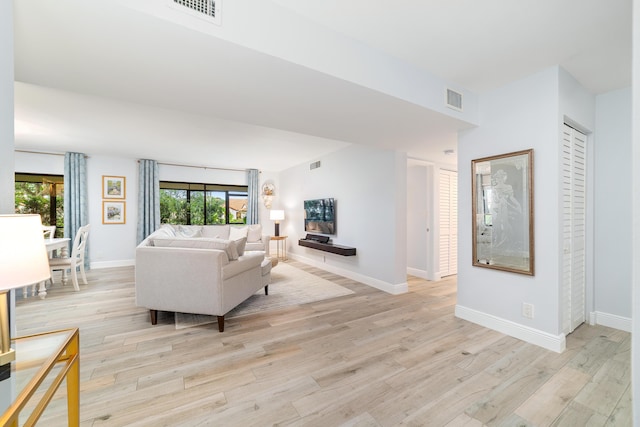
column 220, row 231
column 254, row 233
column 168, row 230
column 231, row 248
column 189, row 231
column 236, row 233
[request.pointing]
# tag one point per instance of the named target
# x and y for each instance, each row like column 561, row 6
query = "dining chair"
column 49, row 231
column 76, row 260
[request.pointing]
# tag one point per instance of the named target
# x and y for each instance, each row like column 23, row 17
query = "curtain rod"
column 44, row 152
column 202, row 167
column 39, row 152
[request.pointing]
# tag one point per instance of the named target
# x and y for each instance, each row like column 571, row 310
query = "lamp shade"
column 276, row 215
column 23, row 256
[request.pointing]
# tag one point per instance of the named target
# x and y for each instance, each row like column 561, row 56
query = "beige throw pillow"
column 236, row 233
column 240, row 245
column 254, row 233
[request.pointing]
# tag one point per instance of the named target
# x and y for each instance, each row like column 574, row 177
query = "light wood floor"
column 366, row 359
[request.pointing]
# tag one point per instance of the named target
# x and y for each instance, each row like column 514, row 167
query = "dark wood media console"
column 328, row 247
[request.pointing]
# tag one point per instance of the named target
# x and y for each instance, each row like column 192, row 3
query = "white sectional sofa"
column 201, row 269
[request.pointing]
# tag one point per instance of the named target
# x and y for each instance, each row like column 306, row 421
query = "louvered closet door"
column 448, row 223
column 573, row 228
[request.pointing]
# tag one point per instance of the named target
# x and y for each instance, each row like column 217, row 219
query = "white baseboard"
column 543, row 339
column 610, row 321
column 435, row 276
column 111, row 264
column 394, row 289
column 418, row 273
column 423, row 274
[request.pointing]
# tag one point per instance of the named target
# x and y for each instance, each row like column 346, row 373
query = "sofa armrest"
column 246, row 262
column 260, row 245
column 266, row 239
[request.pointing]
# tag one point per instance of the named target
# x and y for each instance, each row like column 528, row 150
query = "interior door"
column 573, row 228
column 448, row 222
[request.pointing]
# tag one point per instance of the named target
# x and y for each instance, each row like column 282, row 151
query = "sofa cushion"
column 220, row 231
column 236, row 233
column 166, row 230
column 255, row 246
column 228, row 246
column 254, row 233
column 188, row 231
column 246, row 262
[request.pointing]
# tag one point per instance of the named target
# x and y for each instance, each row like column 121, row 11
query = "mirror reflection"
column 503, row 215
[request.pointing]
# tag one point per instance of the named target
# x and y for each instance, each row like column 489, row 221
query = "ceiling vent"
column 454, row 100
column 314, row 165
column 207, row 9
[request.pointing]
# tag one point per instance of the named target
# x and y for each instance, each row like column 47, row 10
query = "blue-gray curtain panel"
column 76, row 205
column 253, row 176
column 148, row 198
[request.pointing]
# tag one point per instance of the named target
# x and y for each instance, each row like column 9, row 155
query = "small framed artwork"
column 113, row 187
column 113, row 212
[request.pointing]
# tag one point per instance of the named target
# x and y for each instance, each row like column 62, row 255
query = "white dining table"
column 54, row 244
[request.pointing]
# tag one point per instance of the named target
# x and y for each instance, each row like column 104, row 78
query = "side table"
column 281, row 241
column 42, row 364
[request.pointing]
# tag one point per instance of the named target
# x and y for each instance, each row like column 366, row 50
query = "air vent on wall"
column 314, row 165
column 454, row 100
column 207, row 9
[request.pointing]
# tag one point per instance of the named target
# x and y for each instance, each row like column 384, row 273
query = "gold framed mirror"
column 502, row 205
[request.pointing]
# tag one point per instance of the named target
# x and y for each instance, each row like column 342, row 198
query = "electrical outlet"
column 527, row 310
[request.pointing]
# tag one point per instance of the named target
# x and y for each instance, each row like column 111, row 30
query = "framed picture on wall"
column 113, row 187
column 113, row 212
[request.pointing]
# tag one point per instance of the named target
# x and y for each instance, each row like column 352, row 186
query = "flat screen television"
column 320, row 216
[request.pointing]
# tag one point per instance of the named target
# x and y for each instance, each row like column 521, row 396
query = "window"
column 200, row 204
column 43, row 195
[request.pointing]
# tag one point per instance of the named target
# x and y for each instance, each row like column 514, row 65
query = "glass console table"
column 43, row 361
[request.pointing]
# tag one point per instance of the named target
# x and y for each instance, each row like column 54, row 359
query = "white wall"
column 418, row 214
column 6, row 108
column 635, row 344
column 613, row 242
column 369, row 186
column 112, row 245
column 524, row 114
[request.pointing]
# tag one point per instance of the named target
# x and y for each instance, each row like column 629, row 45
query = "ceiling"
column 109, row 78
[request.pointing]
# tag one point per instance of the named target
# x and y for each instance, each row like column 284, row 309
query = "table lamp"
column 23, row 261
column 277, row 216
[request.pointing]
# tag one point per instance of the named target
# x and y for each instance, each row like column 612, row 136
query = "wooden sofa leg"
column 266, row 290
column 154, row 316
column 221, row 323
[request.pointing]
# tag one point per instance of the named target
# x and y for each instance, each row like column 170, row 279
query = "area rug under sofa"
column 289, row 286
